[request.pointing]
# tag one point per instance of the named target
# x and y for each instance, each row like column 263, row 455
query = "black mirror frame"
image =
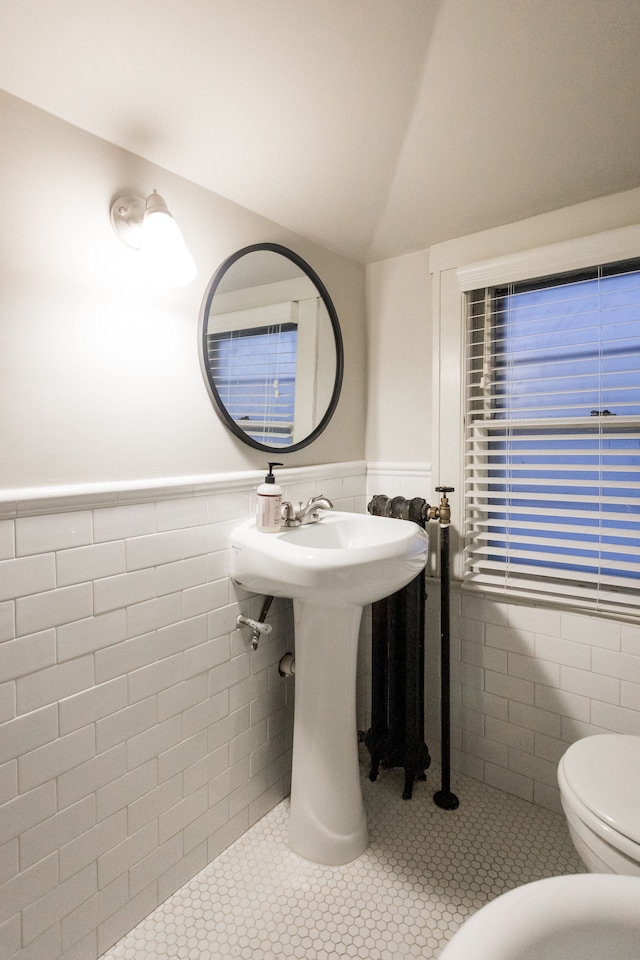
column 220, row 408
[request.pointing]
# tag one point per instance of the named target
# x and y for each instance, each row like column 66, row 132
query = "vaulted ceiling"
column 373, row 127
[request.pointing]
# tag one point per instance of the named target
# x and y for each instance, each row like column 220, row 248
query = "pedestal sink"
column 331, row 569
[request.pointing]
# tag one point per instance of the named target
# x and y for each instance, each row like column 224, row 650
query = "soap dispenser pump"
column 269, row 505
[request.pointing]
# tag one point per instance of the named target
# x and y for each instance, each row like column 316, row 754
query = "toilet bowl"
column 581, row 917
column 599, row 780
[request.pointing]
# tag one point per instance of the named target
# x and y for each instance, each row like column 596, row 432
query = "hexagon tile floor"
column 426, row 870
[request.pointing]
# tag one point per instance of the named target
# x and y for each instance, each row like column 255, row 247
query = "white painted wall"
column 99, row 379
column 399, row 359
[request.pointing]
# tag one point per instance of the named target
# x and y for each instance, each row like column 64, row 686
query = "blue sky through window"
column 566, row 351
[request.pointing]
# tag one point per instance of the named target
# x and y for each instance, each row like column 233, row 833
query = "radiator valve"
column 443, row 511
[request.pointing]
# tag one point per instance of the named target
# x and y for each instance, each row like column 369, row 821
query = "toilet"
column 599, row 779
column 583, row 916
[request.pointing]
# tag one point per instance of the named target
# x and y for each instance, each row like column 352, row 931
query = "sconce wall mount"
column 127, row 214
column 148, row 227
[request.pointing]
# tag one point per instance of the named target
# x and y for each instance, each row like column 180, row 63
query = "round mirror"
column 270, row 348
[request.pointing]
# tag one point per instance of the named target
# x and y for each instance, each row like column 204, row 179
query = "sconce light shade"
column 148, row 226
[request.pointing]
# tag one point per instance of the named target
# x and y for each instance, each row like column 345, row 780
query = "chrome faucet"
column 304, row 514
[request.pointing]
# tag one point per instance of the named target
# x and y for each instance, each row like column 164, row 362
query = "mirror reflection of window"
column 254, row 371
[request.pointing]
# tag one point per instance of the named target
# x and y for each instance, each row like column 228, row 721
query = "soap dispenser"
column 269, row 507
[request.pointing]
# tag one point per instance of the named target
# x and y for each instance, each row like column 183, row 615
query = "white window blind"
column 254, row 373
column 552, row 437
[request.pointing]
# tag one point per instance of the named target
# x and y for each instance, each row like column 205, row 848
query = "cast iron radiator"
column 396, row 736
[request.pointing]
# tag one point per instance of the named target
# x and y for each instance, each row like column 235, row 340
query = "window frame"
column 451, row 281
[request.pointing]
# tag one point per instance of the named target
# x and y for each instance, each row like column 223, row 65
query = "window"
column 254, row 371
column 552, row 436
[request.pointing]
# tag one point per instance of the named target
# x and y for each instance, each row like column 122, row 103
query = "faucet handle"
column 289, row 514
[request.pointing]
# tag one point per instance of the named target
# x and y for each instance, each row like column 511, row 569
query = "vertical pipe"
column 444, row 798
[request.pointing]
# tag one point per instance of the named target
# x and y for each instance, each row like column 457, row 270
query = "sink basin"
column 347, row 558
column 330, row 569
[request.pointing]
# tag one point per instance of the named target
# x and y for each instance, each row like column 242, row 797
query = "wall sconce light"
column 147, row 226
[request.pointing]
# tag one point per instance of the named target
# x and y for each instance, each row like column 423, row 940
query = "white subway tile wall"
column 139, row 734
column 526, row 682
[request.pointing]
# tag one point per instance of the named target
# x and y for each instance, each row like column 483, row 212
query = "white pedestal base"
column 327, row 821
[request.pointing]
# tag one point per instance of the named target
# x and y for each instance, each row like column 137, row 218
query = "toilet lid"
column 604, row 772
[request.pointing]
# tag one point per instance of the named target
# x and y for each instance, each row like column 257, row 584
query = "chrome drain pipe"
column 287, row 665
